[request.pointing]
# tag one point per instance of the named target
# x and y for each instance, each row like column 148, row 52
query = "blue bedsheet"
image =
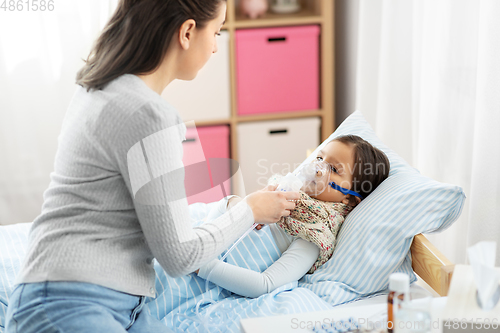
column 180, row 295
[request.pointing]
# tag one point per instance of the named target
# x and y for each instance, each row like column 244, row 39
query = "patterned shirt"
column 318, row 222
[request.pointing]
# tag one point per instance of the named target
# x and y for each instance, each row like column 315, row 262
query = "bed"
column 380, row 236
column 180, row 295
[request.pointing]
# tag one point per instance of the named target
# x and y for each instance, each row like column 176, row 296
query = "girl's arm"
column 291, row 266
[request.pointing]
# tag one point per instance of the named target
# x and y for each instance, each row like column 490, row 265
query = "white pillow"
column 375, row 238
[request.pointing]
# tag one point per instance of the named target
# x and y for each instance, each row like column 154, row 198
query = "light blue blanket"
column 176, row 300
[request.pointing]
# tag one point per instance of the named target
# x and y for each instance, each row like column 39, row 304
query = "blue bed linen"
column 13, row 247
column 257, row 251
column 287, row 299
column 180, row 295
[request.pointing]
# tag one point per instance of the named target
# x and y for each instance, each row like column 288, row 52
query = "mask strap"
column 344, row 190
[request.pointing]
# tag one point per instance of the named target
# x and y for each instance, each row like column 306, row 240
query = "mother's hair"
column 136, row 38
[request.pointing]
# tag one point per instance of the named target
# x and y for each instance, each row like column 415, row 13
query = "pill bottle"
column 399, row 286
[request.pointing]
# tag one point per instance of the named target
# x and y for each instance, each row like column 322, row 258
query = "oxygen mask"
column 316, row 176
column 311, row 178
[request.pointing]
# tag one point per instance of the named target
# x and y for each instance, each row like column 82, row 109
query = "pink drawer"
column 277, row 69
column 206, row 163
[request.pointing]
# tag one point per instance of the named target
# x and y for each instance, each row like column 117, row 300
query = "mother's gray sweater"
column 116, row 197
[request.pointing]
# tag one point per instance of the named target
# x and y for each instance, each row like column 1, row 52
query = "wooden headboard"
column 431, row 265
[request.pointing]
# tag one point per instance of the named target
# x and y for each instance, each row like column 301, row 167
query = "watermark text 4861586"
column 27, row 5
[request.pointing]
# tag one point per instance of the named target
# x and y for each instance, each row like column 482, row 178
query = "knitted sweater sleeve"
column 147, row 150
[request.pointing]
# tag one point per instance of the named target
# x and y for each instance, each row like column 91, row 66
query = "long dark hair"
column 371, row 165
column 136, row 38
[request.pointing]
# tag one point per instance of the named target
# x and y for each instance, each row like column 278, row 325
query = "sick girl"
column 307, row 237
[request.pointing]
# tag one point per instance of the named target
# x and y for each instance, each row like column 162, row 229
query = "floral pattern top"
column 315, row 221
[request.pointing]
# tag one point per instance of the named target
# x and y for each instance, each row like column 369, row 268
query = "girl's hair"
column 371, row 166
column 136, row 38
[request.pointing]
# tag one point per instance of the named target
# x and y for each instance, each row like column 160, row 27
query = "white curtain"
column 40, row 53
column 428, row 80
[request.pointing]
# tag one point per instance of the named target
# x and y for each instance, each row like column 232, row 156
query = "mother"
column 116, row 198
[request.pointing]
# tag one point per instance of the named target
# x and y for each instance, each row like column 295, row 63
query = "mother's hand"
column 269, row 206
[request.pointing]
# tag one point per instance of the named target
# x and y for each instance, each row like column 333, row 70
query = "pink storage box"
column 277, row 69
column 206, row 163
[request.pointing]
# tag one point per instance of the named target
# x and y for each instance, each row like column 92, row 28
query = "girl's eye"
column 319, row 158
column 334, row 169
column 217, row 33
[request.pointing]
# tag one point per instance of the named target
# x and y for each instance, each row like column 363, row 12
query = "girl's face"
column 202, row 45
column 340, row 159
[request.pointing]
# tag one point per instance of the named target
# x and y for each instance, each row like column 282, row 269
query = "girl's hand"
column 269, row 206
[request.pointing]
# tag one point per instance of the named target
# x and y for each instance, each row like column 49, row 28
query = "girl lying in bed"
column 307, row 237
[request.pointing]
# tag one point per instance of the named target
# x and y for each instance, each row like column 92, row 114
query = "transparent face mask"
column 315, row 177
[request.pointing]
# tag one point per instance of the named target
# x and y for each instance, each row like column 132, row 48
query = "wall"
column 346, row 32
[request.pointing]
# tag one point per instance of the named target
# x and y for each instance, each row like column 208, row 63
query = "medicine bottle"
column 399, row 284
